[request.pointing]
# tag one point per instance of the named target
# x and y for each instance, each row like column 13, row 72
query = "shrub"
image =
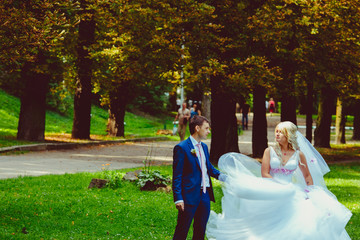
column 151, row 180
column 114, row 178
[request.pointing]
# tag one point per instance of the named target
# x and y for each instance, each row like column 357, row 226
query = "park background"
column 79, row 71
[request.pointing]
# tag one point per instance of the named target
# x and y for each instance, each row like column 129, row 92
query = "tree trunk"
column 340, row 122
column 117, row 109
column 172, row 106
column 205, row 106
column 302, row 104
column 224, row 136
column 309, row 110
column 111, row 127
column 288, row 108
column 326, row 106
column 342, row 128
column 259, row 130
column 31, row 125
column 82, row 99
column 116, row 126
column 356, row 123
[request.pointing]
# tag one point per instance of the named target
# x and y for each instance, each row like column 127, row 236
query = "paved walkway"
column 88, row 159
column 119, row 156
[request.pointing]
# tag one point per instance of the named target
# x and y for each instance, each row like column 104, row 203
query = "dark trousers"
column 245, row 121
column 200, row 213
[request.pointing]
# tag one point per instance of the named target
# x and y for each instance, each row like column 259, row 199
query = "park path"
column 113, row 156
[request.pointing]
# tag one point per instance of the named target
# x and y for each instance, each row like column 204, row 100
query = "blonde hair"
column 289, row 130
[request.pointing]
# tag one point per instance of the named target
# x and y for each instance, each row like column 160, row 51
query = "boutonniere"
column 193, row 151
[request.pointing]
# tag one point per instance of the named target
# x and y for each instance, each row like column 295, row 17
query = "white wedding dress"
column 281, row 208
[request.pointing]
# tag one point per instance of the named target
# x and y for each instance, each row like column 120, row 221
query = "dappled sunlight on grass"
column 66, row 137
column 10, row 140
column 344, row 183
column 339, row 152
column 7, row 132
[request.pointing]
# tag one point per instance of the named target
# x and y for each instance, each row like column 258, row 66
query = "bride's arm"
column 265, row 165
column 305, row 169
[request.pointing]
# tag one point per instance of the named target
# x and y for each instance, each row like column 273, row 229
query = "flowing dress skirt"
column 255, row 208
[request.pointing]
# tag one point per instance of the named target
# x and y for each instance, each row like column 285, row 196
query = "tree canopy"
column 287, row 49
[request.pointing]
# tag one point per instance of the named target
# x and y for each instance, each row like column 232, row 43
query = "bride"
column 283, row 198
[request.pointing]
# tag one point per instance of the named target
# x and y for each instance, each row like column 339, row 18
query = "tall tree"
column 220, row 47
column 29, row 46
column 340, row 122
column 117, row 108
column 259, row 133
column 303, row 37
column 231, row 70
column 326, row 108
column 337, row 57
column 137, row 48
column 33, row 101
column 309, row 109
column 83, row 93
column 223, row 120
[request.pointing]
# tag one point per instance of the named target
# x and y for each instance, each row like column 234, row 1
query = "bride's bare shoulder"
column 301, row 154
column 267, row 151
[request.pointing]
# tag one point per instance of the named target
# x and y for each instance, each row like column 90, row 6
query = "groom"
column 192, row 187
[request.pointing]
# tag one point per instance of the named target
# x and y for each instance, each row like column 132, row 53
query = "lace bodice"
column 280, row 172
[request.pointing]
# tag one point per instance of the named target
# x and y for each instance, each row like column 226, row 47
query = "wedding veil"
column 316, row 163
column 234, row 163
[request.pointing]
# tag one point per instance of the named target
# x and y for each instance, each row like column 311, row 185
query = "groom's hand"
column 180, row 206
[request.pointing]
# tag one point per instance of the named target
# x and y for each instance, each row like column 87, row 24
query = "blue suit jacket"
column 186, row 183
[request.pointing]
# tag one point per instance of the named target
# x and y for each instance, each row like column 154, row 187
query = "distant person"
column 245, row 108
column 183, row 116
column 195, row 110
column 271, row 106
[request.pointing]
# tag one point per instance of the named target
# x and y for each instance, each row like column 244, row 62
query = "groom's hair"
column 197, row 120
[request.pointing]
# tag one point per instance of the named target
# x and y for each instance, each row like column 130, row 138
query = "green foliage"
column 152, row 180
column 30, row 27
column 114, row 178
column 281, row 45
column 131, row 54
column 310, row 41
column 151, row 100
column 59, row 99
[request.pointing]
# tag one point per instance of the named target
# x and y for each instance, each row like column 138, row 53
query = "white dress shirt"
column 194, row 142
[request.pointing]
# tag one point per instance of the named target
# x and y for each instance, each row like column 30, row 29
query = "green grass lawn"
column 339, row 152
column 62, row 207
column 58, row 127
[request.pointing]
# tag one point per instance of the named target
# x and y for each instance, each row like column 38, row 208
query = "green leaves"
column 152, row 180
column 28, row 27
